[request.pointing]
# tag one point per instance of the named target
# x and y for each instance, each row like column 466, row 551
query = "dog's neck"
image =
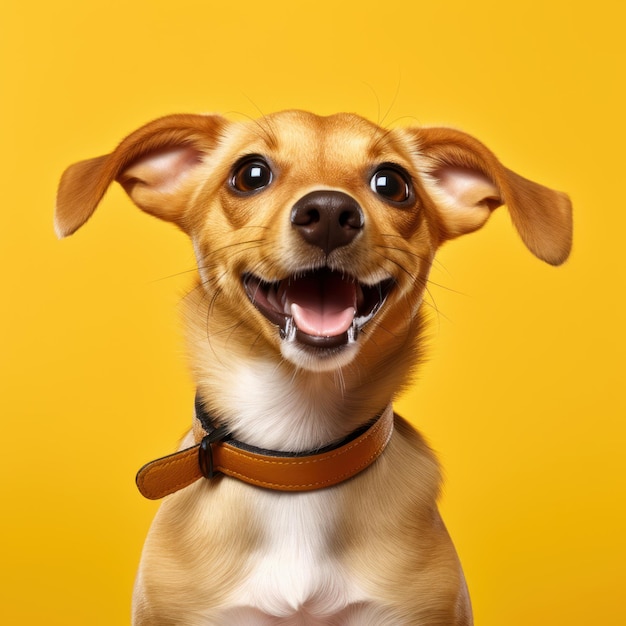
column 266, row 402
column 275, row 408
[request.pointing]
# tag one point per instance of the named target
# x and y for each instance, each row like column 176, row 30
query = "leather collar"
column 218, row 453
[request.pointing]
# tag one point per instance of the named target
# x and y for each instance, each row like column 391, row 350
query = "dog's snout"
column 327, row 219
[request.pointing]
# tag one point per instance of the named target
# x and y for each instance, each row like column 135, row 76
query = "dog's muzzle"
column 320, row 308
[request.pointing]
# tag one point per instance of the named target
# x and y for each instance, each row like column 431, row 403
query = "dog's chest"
column 295, row 572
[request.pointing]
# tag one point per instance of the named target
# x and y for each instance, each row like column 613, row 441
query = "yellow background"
column 523, row 396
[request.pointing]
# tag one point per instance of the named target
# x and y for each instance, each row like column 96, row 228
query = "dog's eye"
column 390, row 184
column 251, row 175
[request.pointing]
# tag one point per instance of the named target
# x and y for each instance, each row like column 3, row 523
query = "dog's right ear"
column 151, row 164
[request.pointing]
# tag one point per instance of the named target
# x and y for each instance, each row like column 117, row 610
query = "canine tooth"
column 352, row 331
column 290, row 329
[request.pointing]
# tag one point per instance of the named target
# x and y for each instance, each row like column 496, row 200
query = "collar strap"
column 217, row 453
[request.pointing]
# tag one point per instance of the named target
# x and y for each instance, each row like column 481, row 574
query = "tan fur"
column 379, row 536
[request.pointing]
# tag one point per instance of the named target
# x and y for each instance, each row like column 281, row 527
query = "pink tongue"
column 322, row 306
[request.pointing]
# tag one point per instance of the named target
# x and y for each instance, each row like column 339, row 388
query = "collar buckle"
column 205, row 452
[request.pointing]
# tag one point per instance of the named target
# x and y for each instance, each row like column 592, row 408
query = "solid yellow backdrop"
column 523, row 393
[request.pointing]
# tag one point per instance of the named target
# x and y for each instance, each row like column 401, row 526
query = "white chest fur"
column 294, row 573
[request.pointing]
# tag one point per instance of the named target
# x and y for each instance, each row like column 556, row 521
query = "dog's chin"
column 318, row 359
column 318, row 314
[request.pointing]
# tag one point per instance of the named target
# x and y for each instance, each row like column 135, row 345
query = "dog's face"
column 314, row 235
column 312, row 225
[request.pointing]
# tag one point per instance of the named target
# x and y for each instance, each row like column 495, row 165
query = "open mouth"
column 319, row 308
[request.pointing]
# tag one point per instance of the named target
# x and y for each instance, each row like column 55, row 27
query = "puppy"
column 298, row 497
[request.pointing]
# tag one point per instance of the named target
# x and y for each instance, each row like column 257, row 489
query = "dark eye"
column 390, row 184
column 251, row 175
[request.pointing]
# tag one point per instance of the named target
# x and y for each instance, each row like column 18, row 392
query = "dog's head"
column 309, row 230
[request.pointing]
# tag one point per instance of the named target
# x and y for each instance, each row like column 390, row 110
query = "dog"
column 298, row 497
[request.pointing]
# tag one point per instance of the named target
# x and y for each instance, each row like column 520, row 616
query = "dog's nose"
column 327, row 219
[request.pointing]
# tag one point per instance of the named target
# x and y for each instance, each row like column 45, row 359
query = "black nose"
column 327, row 219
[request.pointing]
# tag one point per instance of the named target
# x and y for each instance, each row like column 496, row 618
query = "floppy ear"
column 467, row 182
column 151, row 164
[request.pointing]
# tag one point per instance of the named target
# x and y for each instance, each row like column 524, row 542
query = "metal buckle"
column 205, row 454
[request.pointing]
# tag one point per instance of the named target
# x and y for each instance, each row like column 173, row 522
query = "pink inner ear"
column 468, row 188
column 161, row 170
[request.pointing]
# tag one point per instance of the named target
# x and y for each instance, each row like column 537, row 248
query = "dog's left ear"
column 152, row 165
column 467, row 182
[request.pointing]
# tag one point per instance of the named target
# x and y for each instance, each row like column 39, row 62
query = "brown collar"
column 219, row 453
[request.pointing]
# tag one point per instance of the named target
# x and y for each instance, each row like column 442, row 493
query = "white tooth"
column 352, row 332
column 290, row 329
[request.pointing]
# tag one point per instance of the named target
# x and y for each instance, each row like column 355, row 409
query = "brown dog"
column 314, row 237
